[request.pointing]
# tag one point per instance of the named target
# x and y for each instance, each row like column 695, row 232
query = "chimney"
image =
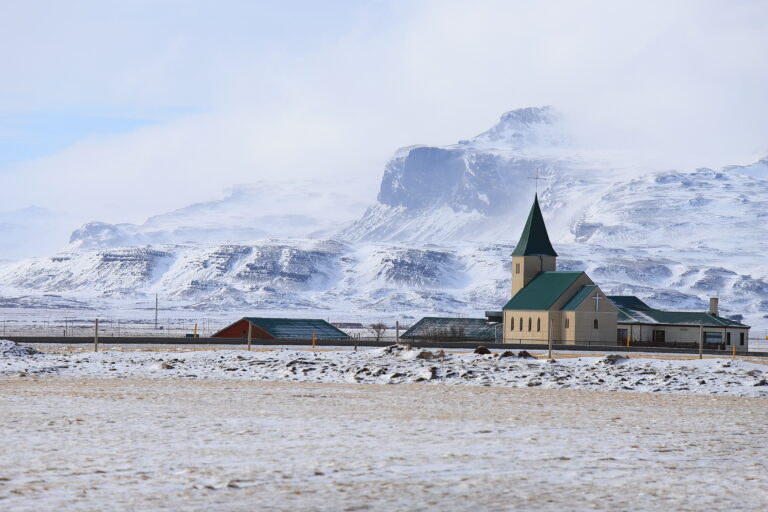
column 713, row 306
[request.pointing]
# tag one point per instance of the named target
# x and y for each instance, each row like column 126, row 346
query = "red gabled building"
column 282, row 328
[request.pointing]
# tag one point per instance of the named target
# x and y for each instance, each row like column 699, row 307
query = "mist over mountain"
column 437, row 239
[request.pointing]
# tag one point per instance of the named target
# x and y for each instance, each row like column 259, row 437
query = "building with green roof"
column 282, row 328
column 639, row 323
column 551, row 305
column 568, row 307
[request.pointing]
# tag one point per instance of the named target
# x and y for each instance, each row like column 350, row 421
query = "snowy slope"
column 246, row 212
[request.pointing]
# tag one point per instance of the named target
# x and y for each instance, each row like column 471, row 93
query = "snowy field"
column 134, row 443
column 397, row 365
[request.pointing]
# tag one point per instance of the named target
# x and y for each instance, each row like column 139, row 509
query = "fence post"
column 96, row 337
column 314, row 340
column 701, row 341
column 250, row 330
column 397, row 331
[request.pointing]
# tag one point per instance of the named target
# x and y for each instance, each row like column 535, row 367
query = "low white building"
column 640, row 324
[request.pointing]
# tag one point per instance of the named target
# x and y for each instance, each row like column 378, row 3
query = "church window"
column 512, row 324
column 567, row 323
column 595, row 323
column 521, row 323
column 529, row 324
column 538, row 324
column 741, row 338
column 517, row 268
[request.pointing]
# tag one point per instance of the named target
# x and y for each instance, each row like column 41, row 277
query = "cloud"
column 249, row 91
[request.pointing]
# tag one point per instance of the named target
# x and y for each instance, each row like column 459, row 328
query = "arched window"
column 538, row 324
column 567, row 323
column 521, row 323
column 595, row 323
column 512, row 323
column 529, row 324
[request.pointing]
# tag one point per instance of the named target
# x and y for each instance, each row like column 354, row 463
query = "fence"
column 138, row 343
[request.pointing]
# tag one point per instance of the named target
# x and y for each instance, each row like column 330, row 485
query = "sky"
column 117, row 111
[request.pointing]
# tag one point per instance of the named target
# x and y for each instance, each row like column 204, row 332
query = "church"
column 547, row 304
column 569, row 308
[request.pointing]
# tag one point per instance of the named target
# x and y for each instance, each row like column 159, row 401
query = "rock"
column 533, row 383
column 393, row 349
column 426, row 374
column 761, row 382
column 167, row 366
column 10, row 348
column 482, row 350
column 425, row 354
column 613, row 358
column 507, row 353
column 524, row 354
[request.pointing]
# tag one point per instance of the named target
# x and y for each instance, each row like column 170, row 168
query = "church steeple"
column 534, row 252
column 534, row 241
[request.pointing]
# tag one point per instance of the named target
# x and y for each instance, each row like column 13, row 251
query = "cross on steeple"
column 536, row 180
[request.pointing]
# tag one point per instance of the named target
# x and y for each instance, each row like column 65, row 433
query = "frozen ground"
column 173, row 444
column 396, row 365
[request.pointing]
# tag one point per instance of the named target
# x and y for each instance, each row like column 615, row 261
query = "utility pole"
column 155, row 312
column 549, row 339
column 250, row 330
column 701, row 341
column 96, row 337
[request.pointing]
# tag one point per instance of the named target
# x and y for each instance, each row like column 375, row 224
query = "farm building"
column 457, row 329
column 281, row 328
column 641, row 324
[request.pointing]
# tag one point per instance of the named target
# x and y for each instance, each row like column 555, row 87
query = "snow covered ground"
column 80, row 444
column 396, row 365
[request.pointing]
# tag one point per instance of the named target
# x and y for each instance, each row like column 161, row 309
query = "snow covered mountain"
column 246, row 213
column 438, row 239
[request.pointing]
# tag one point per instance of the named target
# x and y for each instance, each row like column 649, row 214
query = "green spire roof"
column 534, row 241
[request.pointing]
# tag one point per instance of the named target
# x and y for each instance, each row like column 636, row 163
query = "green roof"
column 297, row 328
column 543, row 291
column 534, row 241
column 580, row 296
column 629, row 302
column 634, row 311
column 436, row 327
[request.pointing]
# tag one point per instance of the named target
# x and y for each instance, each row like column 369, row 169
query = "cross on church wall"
column 597, row 298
